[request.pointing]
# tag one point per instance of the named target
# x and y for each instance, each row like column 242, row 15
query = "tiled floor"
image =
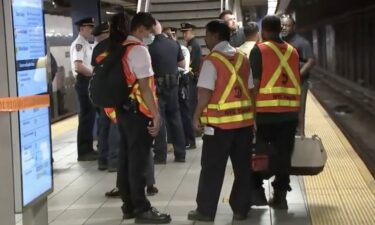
column 78, row 197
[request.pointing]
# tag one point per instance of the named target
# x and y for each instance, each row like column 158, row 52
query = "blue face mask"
column 149, row 39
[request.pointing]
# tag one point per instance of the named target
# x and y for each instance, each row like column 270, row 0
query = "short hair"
column 219, row 27
column 288, row 16
column 271, row 24
column 142, row 19
column 224, row 13
column 250, row 29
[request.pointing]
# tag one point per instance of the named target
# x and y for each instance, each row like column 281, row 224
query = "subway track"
column 352, row 110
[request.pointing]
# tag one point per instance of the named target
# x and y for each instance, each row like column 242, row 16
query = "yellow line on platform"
column 344, row 193
column 64, row 126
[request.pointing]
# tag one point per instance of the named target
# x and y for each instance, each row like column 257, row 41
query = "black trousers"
column 193, row 95
column 134, row 160
column 187, row 120
column 235, row 144
column 281, row 136
column 170, row 114
column 86, row 118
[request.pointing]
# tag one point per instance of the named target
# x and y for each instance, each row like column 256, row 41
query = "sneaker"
column 152, row 216
column 151, row 190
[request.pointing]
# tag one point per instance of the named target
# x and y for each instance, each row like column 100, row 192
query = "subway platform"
column 343, row 194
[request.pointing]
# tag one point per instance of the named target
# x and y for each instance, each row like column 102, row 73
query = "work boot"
column 278, row 201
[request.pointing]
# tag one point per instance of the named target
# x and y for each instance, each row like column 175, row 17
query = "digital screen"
column 34, row 124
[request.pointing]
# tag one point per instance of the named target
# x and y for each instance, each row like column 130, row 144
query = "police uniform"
column 228, row 120
column 195, row 61
column 183, row 99
column 80, row 50
column 277, row 107
column 165, row 55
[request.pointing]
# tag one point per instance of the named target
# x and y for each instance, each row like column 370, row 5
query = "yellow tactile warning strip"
column 343, row 194
column 64, row 126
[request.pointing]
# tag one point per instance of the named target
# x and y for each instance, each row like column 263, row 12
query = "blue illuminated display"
column 34, row 125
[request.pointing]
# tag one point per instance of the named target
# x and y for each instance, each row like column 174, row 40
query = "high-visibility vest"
column 230, row 106
column 111, row 113
column 133, row 84
column 280, row 88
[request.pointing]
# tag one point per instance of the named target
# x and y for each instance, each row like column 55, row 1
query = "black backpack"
column 108, row 85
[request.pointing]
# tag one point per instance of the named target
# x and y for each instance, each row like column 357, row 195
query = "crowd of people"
column 251, row 85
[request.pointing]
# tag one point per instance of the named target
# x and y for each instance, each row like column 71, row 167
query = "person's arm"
column 307, row 66
column 82, row 69
column 206, row 86
column 203, row 100
column 140, row 61
column 256, row 73
column 308, row 55
column 148, row 98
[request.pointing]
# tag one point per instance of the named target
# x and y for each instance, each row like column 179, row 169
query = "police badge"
column 79, row 47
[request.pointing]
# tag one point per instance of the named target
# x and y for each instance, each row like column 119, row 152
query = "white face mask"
column 149, row 39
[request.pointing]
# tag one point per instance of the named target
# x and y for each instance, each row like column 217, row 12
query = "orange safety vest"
column 280, row 88
column 230, row 106
column 111, row 113
column 133, row 84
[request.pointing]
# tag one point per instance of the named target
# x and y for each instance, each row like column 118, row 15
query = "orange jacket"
column 280, row 81
column 230, row 106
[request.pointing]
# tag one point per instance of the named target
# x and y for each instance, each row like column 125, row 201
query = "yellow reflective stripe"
column 234, row 76
column 279, row 90
column 273, row 103
column 230, row 105
column 283, row 64
column 226, row 119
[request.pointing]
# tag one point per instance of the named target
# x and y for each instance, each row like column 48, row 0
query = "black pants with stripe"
column 217, row 148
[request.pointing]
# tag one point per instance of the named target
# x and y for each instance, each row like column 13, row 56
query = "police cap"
column 187, row 26
column 101, row 29
column 89, row 21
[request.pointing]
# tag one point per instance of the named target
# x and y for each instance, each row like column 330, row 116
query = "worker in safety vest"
column 225, row 113
column 275, row 68
column 139, row 123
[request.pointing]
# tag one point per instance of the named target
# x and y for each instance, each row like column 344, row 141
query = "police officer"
column 275, row 67
column 80, row 56
column 195, row 49
column 183, row 92
column 225, row 109
column 306, row 62
column 139, row 121
column 166, row 56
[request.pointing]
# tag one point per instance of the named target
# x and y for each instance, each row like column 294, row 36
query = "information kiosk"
column 27, row 106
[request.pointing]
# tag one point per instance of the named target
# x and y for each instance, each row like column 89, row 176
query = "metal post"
column 36, row 214
column 6, row 158
column 139, row 5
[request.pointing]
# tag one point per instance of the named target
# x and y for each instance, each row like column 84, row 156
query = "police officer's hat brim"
column 85, row 22
column 101, row 29
column 187, row 26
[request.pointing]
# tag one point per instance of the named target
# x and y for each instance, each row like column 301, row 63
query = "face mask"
column 149, row 39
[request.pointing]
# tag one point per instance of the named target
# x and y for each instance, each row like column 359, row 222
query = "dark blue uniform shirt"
column 165, row 55
column 195, row 54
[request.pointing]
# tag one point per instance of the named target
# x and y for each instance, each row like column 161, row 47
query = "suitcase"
column 309, row 156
